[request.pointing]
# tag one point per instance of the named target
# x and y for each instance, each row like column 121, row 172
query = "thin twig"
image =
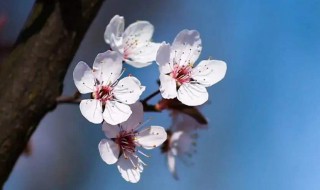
column 144, row 101
column 75, row 99
column 149, row 108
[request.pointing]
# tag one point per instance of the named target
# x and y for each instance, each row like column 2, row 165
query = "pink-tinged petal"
column 142, row 55
column 172, row 165
column 163, row 59
column 111, row 131
column 115, row 112
column 115, row 27
column 107, row 67
column 109, row 151
column 92, row 110
column 186, row 47
column 151, row 137
column 83, row 78
column 128, row 90
column 168, row 86
column 116, row 44
column 209, row 72
column 130, row 168
column 192, row 94
column 140, row 30
column 135, row 119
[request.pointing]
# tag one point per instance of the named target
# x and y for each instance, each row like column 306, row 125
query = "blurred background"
column 264, row 124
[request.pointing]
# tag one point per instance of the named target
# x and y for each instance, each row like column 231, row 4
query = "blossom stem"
column 149, row 108
column 75, row 99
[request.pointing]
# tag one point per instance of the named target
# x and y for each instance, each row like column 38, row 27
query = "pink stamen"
column 182, row 74
column 103, row 93
column 126, row 141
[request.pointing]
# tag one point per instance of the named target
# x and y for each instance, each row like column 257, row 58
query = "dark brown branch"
column 32, row 75
column 5, row 48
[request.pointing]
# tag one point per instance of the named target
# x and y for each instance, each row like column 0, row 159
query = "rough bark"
column 31, row 78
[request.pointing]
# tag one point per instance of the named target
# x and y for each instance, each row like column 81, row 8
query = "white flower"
column 181, row 140
column 110, row 95
column 123, row 140
column 133, row 43
column 179, row 78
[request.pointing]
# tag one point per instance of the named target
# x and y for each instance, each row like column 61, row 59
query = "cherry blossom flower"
column 111, row 96
column 178, row 76
column 181, row 140
column 123, row 141
column 133, row 43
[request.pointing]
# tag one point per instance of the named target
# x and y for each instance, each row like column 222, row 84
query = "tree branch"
column 32, row 75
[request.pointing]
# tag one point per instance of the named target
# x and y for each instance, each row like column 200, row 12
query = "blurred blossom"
column 181, row 142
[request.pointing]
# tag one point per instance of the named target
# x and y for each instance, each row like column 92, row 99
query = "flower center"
column 103, row 93
column 130, row 44
column 126, row 142
column 181, row 74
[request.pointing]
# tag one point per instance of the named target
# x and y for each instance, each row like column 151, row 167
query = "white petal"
column 182, row 142
column 209, row 72
column 135, row 119
column 151, row 137
column 143, row 54
column 137, row 64
column 172, row 165
column 116, row 112
column 115, row 27
column 174, row 142
column 111, row 131
column 83, row 78
column 92, row 110
column 140, row 30
column 128, row 90
column 116, row 44
column 192, row 94
column 130, row 171
column 168, row 87
column 186, row 47
column 107, row 67
column 109, row 151
column 163, row 59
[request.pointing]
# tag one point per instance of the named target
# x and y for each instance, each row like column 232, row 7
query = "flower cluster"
column 115, row 101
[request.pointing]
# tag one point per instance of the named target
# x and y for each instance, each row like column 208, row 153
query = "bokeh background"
column 264, row 130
